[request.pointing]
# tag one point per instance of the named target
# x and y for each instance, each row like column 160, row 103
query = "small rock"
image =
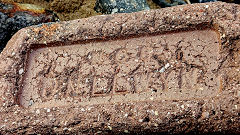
column 205, row 115
column 110, row 128
column 65, row 128
column 37, row 111
column 21, row 71
column 48, row 110
column 30, row 102
column 120, row 6
column 156, row 113
column 164, row 4
column 82, row 109
column 99, row 132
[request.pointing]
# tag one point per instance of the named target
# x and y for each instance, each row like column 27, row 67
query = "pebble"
column 30, row 103
column 48, row 110
column 13, row 53
column 156, row 113
column 120, row 6
column 99, row 132
column 65, row 128
column 205, row 115
column 140, row 120
column 110, row 128
column 164, row 68
column 37, row 111
column 82, row 109
column 21, row 71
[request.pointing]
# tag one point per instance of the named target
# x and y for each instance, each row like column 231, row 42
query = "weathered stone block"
column 151, row 71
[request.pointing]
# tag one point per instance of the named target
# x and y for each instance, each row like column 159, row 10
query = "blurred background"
column 75, row 9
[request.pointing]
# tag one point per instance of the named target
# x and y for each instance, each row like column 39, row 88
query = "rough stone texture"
column 176, row 42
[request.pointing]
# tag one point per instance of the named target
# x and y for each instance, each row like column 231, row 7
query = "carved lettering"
column 170, row 66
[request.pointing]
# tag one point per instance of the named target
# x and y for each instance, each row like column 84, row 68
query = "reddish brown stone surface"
column 173, row 70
